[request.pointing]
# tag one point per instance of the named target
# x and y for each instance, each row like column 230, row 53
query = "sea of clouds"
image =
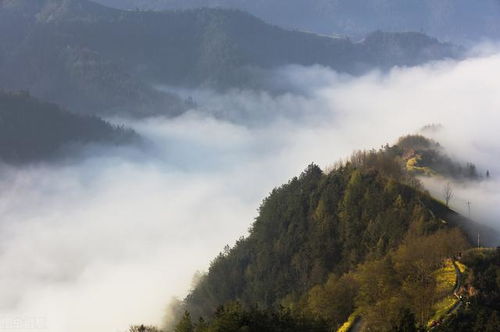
column 106, row 241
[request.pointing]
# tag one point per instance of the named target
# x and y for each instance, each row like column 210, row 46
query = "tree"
column 448, row 193
column 405, row 321
column 471, row 171
column 185, row 324
column 335, row 300
column 202, row 325
column 143, row 328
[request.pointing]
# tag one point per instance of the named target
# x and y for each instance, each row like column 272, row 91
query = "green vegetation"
column 442, row 308
column 361, row 246
column 233, row 317
column 482, row 292
column 461, row 267
column 349, row 323
column 445, row 277
column 362, row 240
column 31, row 130
column 446, row 280
column 424, row 156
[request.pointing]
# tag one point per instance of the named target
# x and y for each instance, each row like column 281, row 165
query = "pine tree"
column 185, row 324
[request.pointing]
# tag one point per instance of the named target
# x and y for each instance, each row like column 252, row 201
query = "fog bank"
column 106, row 242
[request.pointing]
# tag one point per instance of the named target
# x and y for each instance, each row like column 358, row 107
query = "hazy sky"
column 106, row 242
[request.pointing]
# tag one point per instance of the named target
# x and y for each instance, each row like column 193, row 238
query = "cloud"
column 106, row 242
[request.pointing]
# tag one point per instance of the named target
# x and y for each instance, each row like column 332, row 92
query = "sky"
column 106, row 241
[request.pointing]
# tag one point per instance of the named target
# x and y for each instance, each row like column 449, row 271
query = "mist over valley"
column 157, row 162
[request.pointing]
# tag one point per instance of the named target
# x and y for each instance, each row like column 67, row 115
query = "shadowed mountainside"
column 454, row 20
column 96, row 59
column 31, row 130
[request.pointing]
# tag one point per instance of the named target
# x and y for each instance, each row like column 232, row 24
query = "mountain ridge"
column 324, row 242
column 95, row 59
column 459, row 21
column 34, row 131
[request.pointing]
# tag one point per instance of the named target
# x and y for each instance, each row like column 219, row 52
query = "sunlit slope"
column 363, row 238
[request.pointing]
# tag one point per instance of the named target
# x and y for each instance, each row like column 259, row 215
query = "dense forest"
column 362, row 243
column 456, row 20
column 32, row 130
column 91, row 58
column 97, row 221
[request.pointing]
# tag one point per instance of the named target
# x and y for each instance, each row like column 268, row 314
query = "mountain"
column 41, row 52
column 361, row 243
column 91, row 58
column 482, row 313
column 32, row 130
column 458, row 21
column 424, row 156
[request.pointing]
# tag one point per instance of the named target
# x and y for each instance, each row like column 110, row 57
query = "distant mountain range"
column 95, row 59
column 459, row 21
column 32, row 130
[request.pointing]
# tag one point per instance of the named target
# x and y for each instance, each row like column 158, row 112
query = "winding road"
column 358, row 324
column 458, row 284
column 457, row 305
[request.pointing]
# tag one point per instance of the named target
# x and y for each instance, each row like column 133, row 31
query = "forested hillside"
column 482, row 314
column 94, row 59
column 362, row 241
column 456, row 20
column 31, row 130
column 424, row 156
